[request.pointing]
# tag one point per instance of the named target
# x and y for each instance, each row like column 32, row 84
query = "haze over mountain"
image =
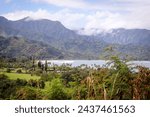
column 68, row 44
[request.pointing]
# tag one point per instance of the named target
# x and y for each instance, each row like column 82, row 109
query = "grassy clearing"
column 27, row 77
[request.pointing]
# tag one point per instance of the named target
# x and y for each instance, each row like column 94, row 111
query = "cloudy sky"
column 75, row 14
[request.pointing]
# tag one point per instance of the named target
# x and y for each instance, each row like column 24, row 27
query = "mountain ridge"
column 73, row 45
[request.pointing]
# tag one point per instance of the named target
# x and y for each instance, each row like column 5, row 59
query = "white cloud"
column 66, row 3
column 68, row 18
column 21, row 14
column 77, row 4
column 104, row 20
column 133, row 14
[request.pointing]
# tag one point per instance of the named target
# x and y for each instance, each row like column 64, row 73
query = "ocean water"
column 92, row 63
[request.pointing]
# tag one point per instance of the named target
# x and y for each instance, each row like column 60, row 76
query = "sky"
column 87, row 14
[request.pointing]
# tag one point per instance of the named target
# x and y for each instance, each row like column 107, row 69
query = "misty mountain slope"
column 33, row 29
column 51, row 38
column 55, row 34
column 126, row 36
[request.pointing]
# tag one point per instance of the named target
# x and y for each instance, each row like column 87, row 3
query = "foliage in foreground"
column 115, row 81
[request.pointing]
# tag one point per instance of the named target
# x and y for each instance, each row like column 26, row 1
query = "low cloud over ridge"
column 100, row 15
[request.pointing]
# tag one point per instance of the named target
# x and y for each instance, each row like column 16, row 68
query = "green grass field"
column 14, row 76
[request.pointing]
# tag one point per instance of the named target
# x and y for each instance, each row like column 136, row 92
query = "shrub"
column 7, row 87
column 74, row 75
column 19, row 71
column 118, row 82
column 25, row 93
column 40, row 84
column 38, row 72
column 57, row 90
column 141, row 84
column 49, row 76
column 3, row 76
column 8, row 70
column 21, row 82
column 32, row 83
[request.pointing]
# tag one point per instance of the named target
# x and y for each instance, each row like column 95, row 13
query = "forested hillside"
column 63, row 43
column 16, row 47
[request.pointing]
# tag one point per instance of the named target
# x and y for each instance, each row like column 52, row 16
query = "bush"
column 40, row 84
column 37, row 84
column 49, row 76
column 38, row 72
column 118, row 83
column 8, row 70
column 7, row 87
column 3, row 76
column 25, row 93
column 57, row 90
column 21, row 82
column 19, row 71
column 75, row 75
column 32, row 83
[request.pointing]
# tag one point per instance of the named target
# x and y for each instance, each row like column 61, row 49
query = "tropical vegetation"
column 30, row 79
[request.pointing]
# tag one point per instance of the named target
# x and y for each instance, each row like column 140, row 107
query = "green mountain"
column 50, row 39
column 15, row 47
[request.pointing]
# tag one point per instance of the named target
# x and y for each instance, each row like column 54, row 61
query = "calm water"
column 92, row 63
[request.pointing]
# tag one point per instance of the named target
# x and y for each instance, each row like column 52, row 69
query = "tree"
column 46, row 65
column 40, row 64
column 42, row 67
column 118, row 82
column 33, row 63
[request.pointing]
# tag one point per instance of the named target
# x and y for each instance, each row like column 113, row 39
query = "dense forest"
column 29, row 79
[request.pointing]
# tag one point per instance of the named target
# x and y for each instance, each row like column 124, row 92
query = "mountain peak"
column 27, row 19
column 3, row 18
